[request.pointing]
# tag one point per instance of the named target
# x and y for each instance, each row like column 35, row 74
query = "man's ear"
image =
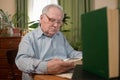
column 41, row 17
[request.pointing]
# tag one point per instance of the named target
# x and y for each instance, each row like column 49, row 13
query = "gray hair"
column 46, row 8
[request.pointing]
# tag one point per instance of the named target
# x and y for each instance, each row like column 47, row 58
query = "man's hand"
column 56, row 66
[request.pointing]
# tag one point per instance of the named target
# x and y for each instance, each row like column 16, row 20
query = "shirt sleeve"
column 72, row 53
column 26, row 59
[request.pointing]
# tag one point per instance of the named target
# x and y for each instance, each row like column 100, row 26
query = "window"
column 35, row 8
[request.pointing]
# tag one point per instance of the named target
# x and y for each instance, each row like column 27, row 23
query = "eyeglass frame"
column 52, row 20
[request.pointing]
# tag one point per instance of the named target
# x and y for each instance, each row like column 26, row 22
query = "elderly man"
column 43, row 50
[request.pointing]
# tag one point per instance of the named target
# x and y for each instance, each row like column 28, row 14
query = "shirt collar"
column 39, row 32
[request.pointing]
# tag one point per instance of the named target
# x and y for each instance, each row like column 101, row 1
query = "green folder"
column 95, row 42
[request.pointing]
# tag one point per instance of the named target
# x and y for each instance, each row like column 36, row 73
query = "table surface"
column 48, row 77
column 78, row 74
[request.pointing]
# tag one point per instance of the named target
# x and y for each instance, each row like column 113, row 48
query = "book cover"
column 100, row 41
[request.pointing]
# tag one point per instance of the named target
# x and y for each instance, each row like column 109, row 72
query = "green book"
column 100, row 41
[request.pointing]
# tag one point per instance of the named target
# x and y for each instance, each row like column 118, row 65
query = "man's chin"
column 50, row 34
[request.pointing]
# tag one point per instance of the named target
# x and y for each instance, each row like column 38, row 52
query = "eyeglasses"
column 52, row 20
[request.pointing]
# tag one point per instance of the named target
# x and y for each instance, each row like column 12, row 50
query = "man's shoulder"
column 31, row 34
column 59, row 33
